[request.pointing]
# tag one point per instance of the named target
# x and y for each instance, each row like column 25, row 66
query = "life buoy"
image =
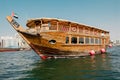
column 74, row 29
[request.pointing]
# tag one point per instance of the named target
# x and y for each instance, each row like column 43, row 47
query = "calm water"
column 26, row 65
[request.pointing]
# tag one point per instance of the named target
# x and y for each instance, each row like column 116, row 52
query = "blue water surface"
column 27, row 65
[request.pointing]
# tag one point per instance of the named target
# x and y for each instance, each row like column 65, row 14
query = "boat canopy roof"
column 31, row 23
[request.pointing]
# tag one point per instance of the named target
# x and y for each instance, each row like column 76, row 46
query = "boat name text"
column 14, row 23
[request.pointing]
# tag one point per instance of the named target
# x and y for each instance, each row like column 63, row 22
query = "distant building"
column 2, row 43
column 8, row 41
column 116, row 42
column 12, row 42
column 21, row 43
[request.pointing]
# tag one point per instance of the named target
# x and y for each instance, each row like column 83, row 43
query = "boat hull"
column 40, row 44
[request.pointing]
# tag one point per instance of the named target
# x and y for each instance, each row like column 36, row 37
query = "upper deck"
column 53, row 24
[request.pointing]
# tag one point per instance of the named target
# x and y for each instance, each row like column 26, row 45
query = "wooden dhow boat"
column 52, row 38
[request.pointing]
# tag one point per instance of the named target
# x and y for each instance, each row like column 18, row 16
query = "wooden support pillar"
column 77, row 39
column 69, row 39
column 69, row 27
column 57, row 26
column 84, row 40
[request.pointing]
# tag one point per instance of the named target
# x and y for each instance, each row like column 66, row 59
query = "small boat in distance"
column 13, row 49
column 9, row 49
column 51, row 38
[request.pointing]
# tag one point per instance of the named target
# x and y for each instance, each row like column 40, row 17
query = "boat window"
column 87, row 40
column 96, row 41
column 92, row 40
column 74, row 40
column 52, row 41
column 81, row 40
column 67, row 40
column 99, row 41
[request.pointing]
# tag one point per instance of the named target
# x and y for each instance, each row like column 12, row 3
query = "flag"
column 14, row 15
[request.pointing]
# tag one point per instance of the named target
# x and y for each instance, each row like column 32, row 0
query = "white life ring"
column 74, row 29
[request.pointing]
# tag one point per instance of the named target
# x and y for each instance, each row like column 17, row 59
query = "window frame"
column 81, row 40
column 87, row 40
column 73, row 40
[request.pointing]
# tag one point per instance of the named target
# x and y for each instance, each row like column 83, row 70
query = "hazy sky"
column 104, row 14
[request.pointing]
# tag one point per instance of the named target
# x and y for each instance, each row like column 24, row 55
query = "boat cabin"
column 76, row 34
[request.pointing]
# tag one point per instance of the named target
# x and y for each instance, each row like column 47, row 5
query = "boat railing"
column 31, row 30
column 70, row 30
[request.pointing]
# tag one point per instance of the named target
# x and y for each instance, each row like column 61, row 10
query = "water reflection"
column 84, row 68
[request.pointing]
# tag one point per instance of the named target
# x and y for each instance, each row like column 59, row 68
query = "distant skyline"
column 103, row 14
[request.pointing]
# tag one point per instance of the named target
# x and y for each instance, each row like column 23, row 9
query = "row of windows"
column 82, row 41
